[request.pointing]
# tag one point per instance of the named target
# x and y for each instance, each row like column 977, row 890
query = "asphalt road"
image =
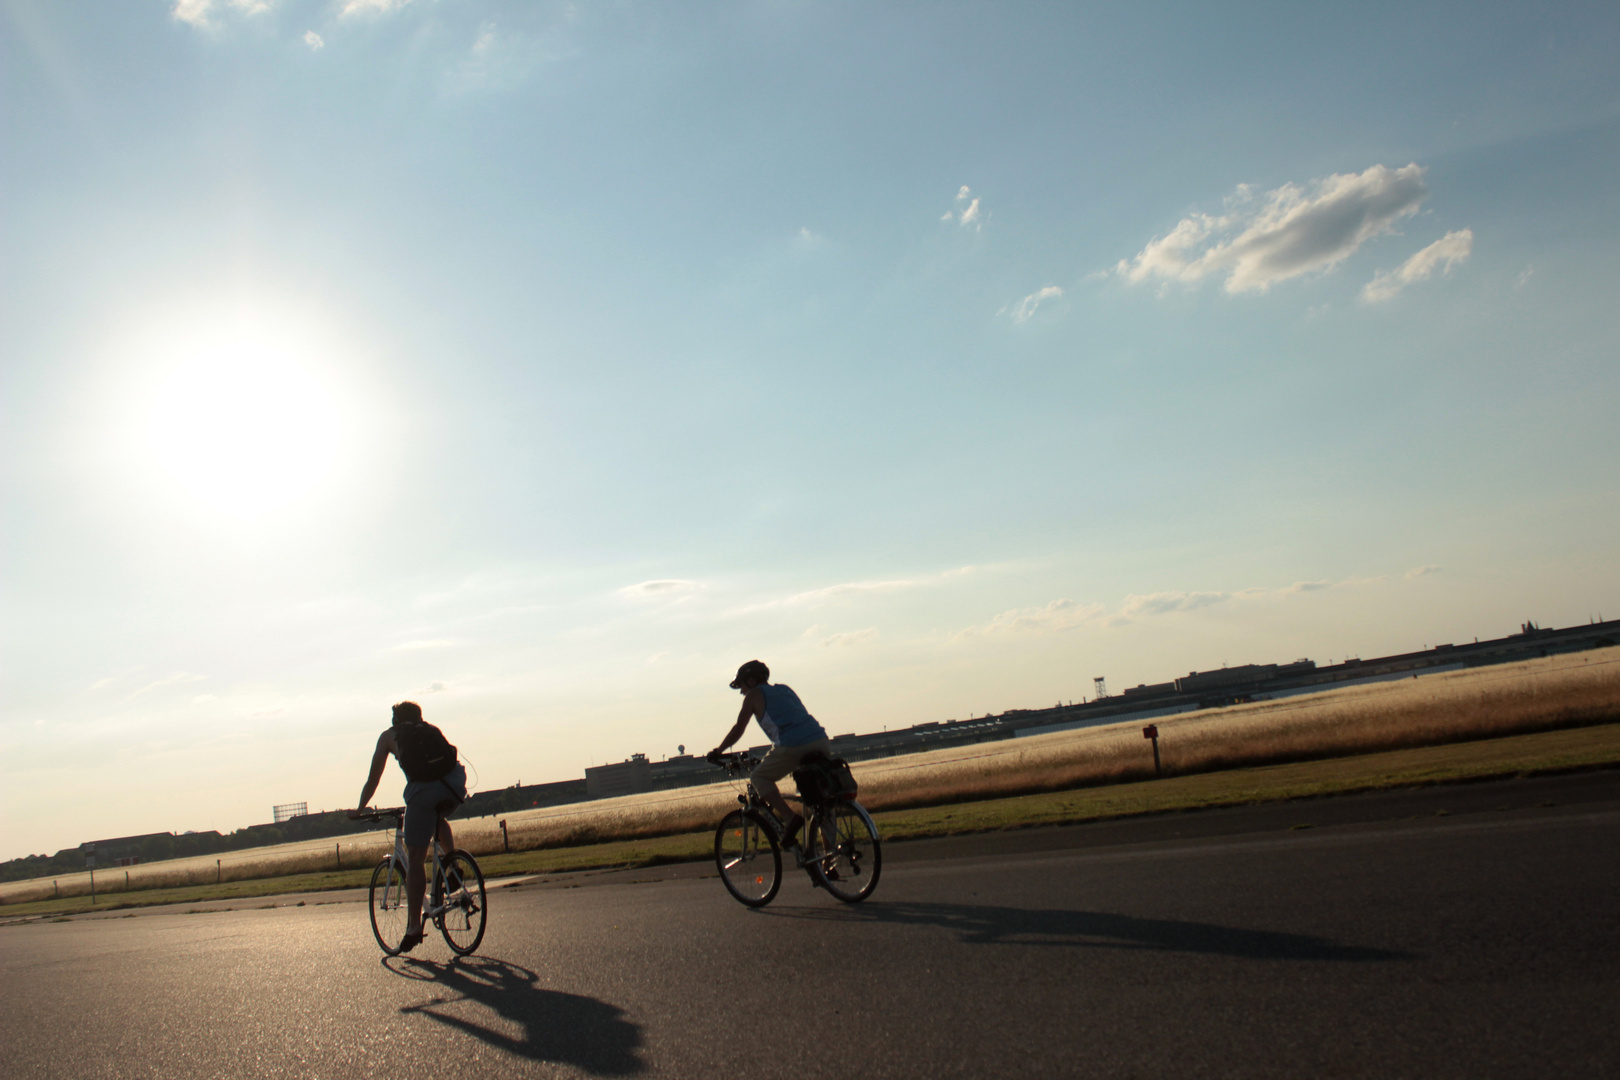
column 1467, row 932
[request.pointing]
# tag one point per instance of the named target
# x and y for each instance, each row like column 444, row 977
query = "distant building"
column 630, row 777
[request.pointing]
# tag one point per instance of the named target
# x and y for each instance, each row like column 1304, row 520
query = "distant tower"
column 1102, row 687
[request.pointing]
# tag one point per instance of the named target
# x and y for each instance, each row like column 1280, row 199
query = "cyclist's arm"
column 379, row 762
column 753, row 705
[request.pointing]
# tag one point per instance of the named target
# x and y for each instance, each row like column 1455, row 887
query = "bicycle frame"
column 813, row 818
column 432, row 907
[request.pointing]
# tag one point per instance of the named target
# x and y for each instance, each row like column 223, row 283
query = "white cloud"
column 1054, row 618
column 314, row 40
column 371, row 7
column 194, row 12
column 1025, row 308
column 1454, row 247
column 1282, row 234
column 199, row 13
column 849, row 637
column 172, row 680
column 1421, row 571
column 663, row 587
column 1163, row 603
column 969, row 215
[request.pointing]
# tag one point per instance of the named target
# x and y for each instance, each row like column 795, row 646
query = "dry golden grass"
column 1481, row 703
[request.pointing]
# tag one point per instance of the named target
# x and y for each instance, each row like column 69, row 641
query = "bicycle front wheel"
column 750, row 863
column 461, row 884
column 845, row 856
column 387, row 902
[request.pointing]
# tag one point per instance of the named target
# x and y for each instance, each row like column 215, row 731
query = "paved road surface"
column 1457, row 932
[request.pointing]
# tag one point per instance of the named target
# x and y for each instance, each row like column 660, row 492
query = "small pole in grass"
column 339, row 849
column 505, row 843
column 1152, row 732
column 219, row 872
column 90, row 861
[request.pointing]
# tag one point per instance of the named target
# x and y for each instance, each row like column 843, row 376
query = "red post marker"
column 1152, row 732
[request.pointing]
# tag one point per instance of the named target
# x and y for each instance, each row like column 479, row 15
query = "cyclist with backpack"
column 435, row 785
column 794, row 734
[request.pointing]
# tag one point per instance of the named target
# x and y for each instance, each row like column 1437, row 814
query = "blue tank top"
column 785, row 721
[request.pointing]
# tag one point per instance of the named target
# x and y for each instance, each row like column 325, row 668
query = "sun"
column 244, row 427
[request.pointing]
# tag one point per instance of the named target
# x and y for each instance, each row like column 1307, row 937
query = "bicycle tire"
column 387, row 905
column 747, row 855
column 462, row 923
column 845, row 856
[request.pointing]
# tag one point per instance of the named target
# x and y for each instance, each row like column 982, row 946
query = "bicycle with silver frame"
column 840, row 850
column 455, row 901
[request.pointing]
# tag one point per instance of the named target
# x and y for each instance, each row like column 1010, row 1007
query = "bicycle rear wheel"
column 387, row 903
column 461, row 884
column 750, row 863
column 844, row 856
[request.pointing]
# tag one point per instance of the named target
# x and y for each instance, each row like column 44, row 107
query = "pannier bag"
column 825, row 779
column 424, row 753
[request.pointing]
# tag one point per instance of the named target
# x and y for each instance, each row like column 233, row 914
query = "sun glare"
column 244, row 428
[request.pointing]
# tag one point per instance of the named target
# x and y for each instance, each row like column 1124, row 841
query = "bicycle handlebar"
column 733, row 763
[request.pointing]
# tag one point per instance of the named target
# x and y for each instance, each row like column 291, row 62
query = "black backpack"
column 822, row 780
column 423, row 751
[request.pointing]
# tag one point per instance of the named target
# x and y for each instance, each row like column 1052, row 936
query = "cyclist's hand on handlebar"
column 715, row 756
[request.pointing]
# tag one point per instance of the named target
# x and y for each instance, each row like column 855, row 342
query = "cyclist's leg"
column 421, row 816
column 415, row 887
column 453, row 792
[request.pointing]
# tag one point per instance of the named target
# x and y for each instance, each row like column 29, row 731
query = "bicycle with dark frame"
column 840, row 850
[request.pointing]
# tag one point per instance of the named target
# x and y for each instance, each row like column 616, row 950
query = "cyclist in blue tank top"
column 794, row 734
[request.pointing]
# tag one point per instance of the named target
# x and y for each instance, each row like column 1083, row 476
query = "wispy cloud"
column 425, row 643
column 847, row 590
column 1021, row 311
column 1421, row 571
column 1056, row 617
column 662, row 588
column 1163, row 603
column 1454, row 247
column 173, row 680
column 848, row 638
column 966, row 212
column 1295, row 229
column 1065, row 614
column 370, row 7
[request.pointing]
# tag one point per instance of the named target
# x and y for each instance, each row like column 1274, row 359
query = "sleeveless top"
column 785, row 720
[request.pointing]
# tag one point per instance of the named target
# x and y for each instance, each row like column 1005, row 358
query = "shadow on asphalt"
column 563, row 1028
column 982, row 925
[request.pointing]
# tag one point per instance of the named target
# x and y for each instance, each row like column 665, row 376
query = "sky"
column 542, row 362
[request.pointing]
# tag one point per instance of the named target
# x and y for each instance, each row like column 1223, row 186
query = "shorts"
column 783, row 760
column 423, row 800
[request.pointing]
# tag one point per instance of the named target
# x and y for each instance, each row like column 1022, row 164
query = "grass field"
column 1517, row 755
column 1548, row 694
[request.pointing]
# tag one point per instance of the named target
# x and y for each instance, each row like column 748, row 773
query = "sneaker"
column 410, row 941
column 790, row 834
